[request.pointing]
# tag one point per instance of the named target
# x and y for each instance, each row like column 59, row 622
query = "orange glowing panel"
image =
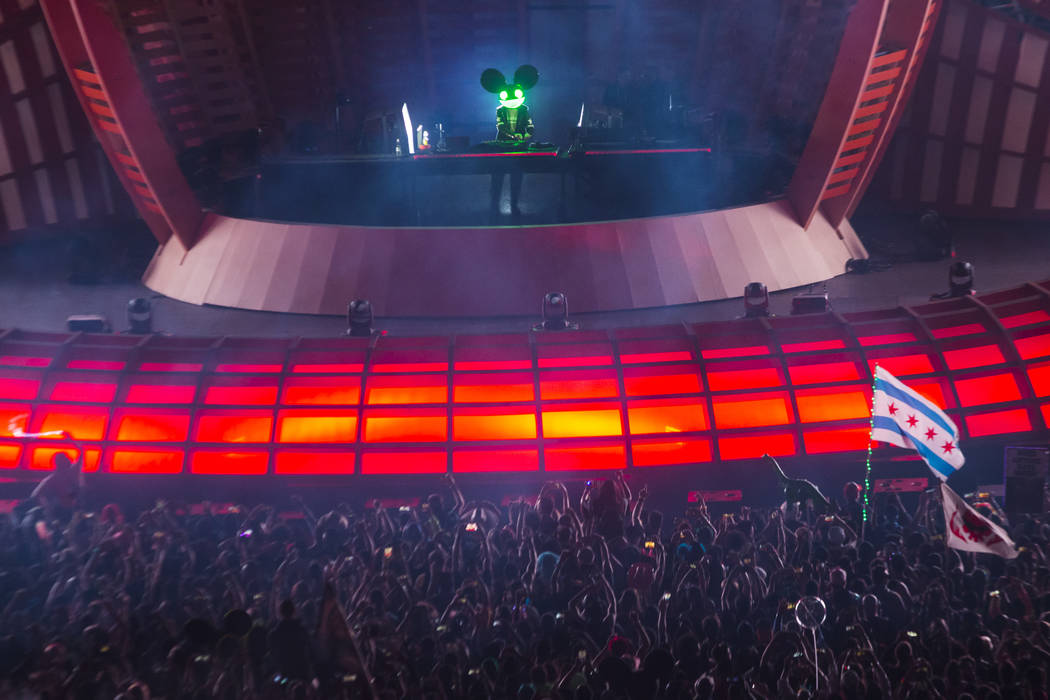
column 406, row 390
column 267, row 368
column 998, row 422
column 754, row 446
column 245, row 426
column 160, row 393
column 886, row 339
column 321, row 391
column 493, row 388
column 84, row 392
column 666, row 416
column 581, row 420
column 18, row 388
column 111, row 365
column 1026, row 319
column 475, row 461
column 406, row 425
column 819, row 406
column 1033, row 346
column 572, row 458
column 573, row 355
column 246, row 394
column 979, row 356
column 661, row 381
column 824, row 372
column 903, row 365
column 956, row 331
column 737, row 379
column 9, row 456
column 316, row 426
column 1039, row 376
column 842, row 440
column 293, row 463
column 24, row 361
column 751, row 410
column 82, row 423
column 657, row 453
column 490, row 424
column 145, row 461
column 42, row 458
column 229, row 463
column 983, row 390
column 152, row 427
column 813, row 346
column 171, row 366
column 579, row 384
column 14, row 417
column 721, row 353
column 404, row 463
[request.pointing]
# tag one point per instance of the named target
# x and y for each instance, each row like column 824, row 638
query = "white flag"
column 968, row 530
column 905, row 418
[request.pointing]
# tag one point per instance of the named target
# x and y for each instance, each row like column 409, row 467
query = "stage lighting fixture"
column 555, row 314
column 756, row 300
column 140, row 316
column 88, row 323
column 359, row 317
column 810, row 304
column 960, row 279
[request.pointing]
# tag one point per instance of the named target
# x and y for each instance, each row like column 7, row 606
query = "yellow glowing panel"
column 316, row 428
column 494, row 427
column 407, row 428
column 581, row 423
column 666, row 417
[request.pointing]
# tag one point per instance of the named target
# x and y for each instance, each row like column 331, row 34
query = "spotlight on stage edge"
column 756, row 300
column 960, row 279
column 140, row 316
column 555, row 314
column 359, row 317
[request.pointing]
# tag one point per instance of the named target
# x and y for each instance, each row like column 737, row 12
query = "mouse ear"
column 492, row 80
column 526, row 76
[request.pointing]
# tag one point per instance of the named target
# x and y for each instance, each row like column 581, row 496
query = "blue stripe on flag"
column 918, row 403
column 935, row 461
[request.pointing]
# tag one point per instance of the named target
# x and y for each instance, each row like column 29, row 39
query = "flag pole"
column 867, row 462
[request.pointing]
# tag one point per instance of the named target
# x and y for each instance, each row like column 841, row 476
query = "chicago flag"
column 903, row 417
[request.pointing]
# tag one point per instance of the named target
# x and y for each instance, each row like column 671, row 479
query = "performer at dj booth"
column 514, row 127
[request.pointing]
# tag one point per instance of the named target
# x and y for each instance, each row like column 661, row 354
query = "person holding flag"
column 903, row 417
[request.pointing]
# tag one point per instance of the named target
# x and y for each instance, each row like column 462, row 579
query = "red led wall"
column 587, row 400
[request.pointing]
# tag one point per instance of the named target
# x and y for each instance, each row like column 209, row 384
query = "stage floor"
column 37, row 294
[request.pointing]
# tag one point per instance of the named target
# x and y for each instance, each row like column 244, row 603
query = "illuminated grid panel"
column 639, row 397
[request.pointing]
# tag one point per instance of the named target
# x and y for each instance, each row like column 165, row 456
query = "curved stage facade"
column 637, row 263
column 636, row 398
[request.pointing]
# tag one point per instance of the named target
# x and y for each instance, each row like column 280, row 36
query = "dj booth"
column 445, row 189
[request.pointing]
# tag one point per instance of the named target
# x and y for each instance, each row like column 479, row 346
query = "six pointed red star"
column 947, row 447
column 912, row 421
column 893, row 409
column 931, row 434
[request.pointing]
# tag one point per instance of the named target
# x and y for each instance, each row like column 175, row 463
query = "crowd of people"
column 592, row 596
